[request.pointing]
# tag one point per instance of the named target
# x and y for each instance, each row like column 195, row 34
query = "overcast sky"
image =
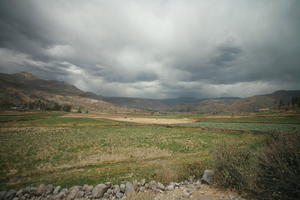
column 155, row 48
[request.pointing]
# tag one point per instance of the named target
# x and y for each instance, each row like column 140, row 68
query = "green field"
column 75, row 151
column 264, row 127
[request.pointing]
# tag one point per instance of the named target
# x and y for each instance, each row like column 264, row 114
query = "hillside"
column 23, row 90
column 249, row 104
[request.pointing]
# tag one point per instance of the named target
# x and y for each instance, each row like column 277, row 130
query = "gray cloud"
column 155, row 48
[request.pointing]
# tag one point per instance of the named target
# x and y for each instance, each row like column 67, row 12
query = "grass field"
column 75, row 151
column 264, row 127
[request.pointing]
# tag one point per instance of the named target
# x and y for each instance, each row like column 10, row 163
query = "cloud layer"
column 155, row 49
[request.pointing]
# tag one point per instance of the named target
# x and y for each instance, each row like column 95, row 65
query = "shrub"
column 234, row 166
column 278, row 167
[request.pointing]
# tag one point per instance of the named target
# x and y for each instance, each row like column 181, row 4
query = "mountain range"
column 23, row 90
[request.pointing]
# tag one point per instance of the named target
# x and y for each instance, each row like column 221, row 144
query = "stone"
column 116, row 189
column 152, row 185
column 57, row 190
column 191, row 179
column 41, row 190
column 2, row 194
column 122, row 188
column 20, row 193
column 62, row 194
column 99, row 190
column 108, row 184
column 119, row 195
column 143, row 182
column 129, row 188
column 135, row 184
column 106, row 195
column 88, row 188
column 207, row 177
column 160, row 186
column 10, row 195
column 74, row 192
column 170, row 187
column 48, row 189
column 141, row 189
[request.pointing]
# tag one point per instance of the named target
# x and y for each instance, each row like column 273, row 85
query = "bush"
column 278, row 167
column 271, row 173
column 234, row 166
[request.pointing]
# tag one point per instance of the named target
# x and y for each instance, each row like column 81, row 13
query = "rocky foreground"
column 189, row 189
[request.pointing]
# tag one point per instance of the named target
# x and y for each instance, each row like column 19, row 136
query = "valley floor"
column 76, row 149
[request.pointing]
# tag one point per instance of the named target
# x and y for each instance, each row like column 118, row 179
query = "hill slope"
column 249, row 104
column 23, row 90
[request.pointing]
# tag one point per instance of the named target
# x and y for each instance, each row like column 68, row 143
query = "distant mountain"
column 162, row 105
column 249, row 104
column 23, row 90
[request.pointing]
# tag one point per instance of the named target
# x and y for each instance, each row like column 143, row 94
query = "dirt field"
column 133, row 119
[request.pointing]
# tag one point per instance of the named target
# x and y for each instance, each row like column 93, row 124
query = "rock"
column 170, row 187
column 122, row 188
column 62, row 194
column 106, row 195
column 20, row 193
column 119, row 195
column 2, row 194
column 207, row 177
column 99, row 190
column 143, row 182
column 129, row 188
column 186, row 194
column 141, row 189
column 116, row 189
column 160, row 186
column 41, row 190
column 152, row 185
column 56, row 190
column 108, row 184
column 88, row 188
column 135, row 185
column 32, row 191
column 10, row 195
column 48, row 189
column 75, row 192
column 191, row 179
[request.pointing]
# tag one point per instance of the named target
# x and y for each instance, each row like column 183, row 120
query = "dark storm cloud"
column 155, row 48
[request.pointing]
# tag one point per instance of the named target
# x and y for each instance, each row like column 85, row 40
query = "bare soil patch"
column 140, row 120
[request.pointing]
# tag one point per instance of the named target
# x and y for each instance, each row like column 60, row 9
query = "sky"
column 155, row 48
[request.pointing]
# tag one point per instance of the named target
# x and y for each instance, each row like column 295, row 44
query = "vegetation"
column 234, row 166
column 273, row 172
column 111, row 151
column 54, row 149
column 278, row 167
column 43, row 105
column 244, row 126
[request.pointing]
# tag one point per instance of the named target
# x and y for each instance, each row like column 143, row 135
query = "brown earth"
column 140, row 120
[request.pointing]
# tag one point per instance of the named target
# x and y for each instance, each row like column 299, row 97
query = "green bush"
column 278, row 167
column 234, row 166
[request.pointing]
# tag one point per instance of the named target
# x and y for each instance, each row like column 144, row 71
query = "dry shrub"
column 234, row 166
column 167, row 173
column 278, row 167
